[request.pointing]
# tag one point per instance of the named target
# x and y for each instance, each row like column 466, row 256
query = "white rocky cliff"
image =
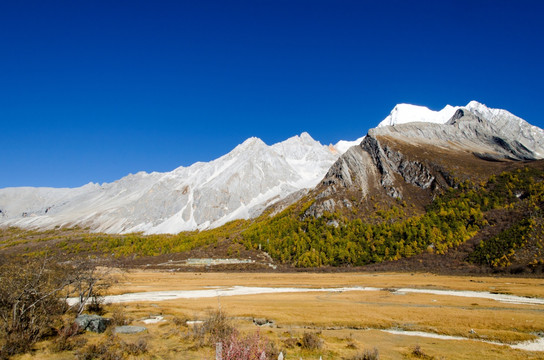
column 204, row 195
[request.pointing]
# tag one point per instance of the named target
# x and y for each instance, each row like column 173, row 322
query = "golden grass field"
column 342, row 318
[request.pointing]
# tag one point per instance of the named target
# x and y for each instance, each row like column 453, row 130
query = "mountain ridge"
column 254, row 175
column 199, row 196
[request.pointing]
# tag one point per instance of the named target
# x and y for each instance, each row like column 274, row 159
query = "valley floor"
column 442, row 324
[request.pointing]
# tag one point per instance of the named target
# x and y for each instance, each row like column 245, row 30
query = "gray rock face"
column 129, row 329
column 480, row 134
column 511, row 126
column 388, row 162
column 465, row 131
column 353, row 169
column 92, row 323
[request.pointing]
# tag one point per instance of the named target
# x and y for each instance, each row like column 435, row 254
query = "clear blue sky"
column 94, row 90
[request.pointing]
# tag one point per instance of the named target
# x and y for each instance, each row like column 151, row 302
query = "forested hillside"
column 450, row 220
column 502, row 216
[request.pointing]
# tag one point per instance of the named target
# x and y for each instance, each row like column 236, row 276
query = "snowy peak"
column 342, row 146
column 493, row 115
column 300, row 147
column 251, row 144
column 406, row 113
column 308, row 157
column 403, row 114
column 506, row 124
column 240, row 184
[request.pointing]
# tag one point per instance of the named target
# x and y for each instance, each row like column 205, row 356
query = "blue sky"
column 94, row 90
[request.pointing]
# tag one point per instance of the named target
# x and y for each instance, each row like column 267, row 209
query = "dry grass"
column 377, row 310
column 343, row 319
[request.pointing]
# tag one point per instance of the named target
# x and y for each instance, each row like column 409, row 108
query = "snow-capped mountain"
column 254, row 175
column 406, row 113
column 237, row 185
column 505, row 123
column 502, row 119
column 342, row 146
column 416, row 152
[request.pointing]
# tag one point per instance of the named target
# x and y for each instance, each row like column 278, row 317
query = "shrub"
column 137, row 348
column 95, row 305
column 215, row 328
column 118, row 316
column 218, row 326
column 367, row 355
column 88, row 284
column 351, row 345
column 420, row 354
column 311, row 341
column 66, row 338
column 251, row 347
column 32, row 294
column 290, row 343
column 112, row 348
column 179, row 321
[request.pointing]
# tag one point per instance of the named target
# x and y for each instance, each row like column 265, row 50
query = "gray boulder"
column 92, row 323
column 263, row 322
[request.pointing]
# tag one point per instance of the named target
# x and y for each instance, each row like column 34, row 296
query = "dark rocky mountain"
column 414, row 161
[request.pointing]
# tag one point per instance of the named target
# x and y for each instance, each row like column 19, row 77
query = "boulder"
column 263, row 322
column 92, row 323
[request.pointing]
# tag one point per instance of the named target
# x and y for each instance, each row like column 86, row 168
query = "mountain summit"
column 237, row 185
column 413, row 152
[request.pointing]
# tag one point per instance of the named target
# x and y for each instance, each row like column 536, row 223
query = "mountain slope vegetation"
column 462, row 187
column 452, row 218
column 466, row 213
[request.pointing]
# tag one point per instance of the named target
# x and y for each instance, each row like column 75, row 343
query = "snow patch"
column 210, row 293
column 511, row 299
column 531, row 345
column 342, row 146
column 406, row 113
column 154, row 320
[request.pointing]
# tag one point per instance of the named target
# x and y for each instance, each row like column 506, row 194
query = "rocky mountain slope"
column 204, row 195
column 462, row 193
column 413, row 153
column 411, row 160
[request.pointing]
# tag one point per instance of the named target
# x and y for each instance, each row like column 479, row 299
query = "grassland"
column 347, row 322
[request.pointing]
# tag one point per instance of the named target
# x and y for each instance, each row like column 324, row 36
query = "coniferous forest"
column 456, row 215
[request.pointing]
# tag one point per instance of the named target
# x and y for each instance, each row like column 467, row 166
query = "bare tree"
column 33, row 295
column 88, row 284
